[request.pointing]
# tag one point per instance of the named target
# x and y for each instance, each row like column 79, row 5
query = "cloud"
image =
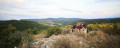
column 66, row 9
column 20, row 0
column 58, row 8
column 101, row 13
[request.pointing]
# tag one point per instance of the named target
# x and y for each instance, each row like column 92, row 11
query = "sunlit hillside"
column 102, row 33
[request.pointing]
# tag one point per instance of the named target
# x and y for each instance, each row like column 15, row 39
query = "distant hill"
column 110, row 18
column 103, row 20
column 67, row 19
column 54, row 21
column 62, row 21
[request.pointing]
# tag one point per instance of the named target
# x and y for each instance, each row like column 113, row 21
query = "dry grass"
column 65, row 30
column 40, row 43
column 98, row 39
column 40, row 35
column 24, row 45
column 66, row 43
column 27, row 44
column 94, row 39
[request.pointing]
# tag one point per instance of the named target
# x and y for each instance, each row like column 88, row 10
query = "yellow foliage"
column 110, row 28
column 104, row 25
column 68, row 26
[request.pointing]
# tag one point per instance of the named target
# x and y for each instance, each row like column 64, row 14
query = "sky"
column 38, row 9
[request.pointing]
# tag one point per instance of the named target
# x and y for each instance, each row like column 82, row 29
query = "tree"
column 11, row 28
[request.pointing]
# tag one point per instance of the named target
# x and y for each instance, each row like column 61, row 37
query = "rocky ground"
column 48, row 42
column 93, row 39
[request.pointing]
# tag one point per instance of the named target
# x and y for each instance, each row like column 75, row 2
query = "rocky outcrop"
column 48, row 42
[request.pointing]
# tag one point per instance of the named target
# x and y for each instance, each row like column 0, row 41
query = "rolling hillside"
column 33, row 34
column 22, row 25
column 64, row 21
column 14, row 32
column 54, row 21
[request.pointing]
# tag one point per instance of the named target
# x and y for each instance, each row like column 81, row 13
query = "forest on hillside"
column 14, row 32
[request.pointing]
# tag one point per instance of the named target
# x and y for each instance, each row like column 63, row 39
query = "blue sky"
column 30, row 9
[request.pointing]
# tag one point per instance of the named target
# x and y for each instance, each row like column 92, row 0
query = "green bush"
column 54, row 30
column 32, row 31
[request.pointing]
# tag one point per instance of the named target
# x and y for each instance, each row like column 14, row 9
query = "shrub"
column 26, row 40
column 91, row 27
column 54, row 30
column 32, row 31
column 110, row 28
column 102, row 40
